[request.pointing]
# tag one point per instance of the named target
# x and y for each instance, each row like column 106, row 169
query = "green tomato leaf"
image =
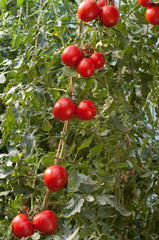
column 19, row 2
column 3, row 3
column 74, row 206
column 22, row 189
column 95, row 150
column 46, row 126
column 5, row 174
column 85, row 143
column 2, row 78
column 109, row 199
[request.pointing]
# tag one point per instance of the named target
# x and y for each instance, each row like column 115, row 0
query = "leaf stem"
column 131, row 12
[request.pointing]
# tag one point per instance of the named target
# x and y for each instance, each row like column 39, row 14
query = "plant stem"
column 61, row 143
column 38, row 24
column 131, row 12
column 87, row 129
column 37, row 163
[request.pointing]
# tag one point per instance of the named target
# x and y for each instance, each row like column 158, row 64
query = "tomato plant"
column 88, row 10
column 87, row 50
column 145, row 3
column 98, row 60
column 64, row 109
column 86, row 110
column 109, row 15
column 45, row 222
column 55, row 177
column 152, row 15
column 85, row 67
column 21, row 227
column 71, row 55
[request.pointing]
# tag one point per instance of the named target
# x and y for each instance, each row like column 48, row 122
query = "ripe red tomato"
column 21, row 227
column 86, row 110
column 109, row 15
column 87, row 50
column 45, row 222
column 152, row 15
column 64, row 109
column 85, row 67
column 103, row 3
column 88, row 10
column 55, row 177
column 98, row 60
column 71, row 55
column 146, row 3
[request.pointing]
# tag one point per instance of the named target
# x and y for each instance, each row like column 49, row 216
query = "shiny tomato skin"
column 86, row 110
column 64, row 109
column 98, row 60
column 109, row 15
column 55, row 177
column 87, row 50
column 71, row 55
column 45, row 222
column 102, row 3
column 85, row 67
column 88, row 10
column 145, row 3
column 152, row 15
column 21, row 227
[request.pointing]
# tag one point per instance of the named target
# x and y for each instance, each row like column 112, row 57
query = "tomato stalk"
column 38, row 26
column 37, row 163
column 133, row 10
column 61, row 147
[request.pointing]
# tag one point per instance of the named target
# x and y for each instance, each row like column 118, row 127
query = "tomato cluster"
column 55, row 178
column 85, row 60
column 45, row 222
column 152, row 11
column 89, row 10
column 64, row 109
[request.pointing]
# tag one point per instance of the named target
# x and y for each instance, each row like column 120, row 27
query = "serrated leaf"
column 48, row 160
column 3, row 155
column 22, row 189
column 46, row 126
column 95, row 150
column 4, row 193
column 109, row 199
column 69, row 72
column 85, row 143
column 55, row 94
column 75, row 205
column 117, row 123
column 143, row 145
column 4, row 174
column 35, row 104
column 29, row 143
column 142, row 20
column 2, row 78
column 73, row 235
column 147, row 174
column 75, row 180
column 72, row 147
column 3, row 3
column 19, row 2
column 107, row 105
column 35, row 236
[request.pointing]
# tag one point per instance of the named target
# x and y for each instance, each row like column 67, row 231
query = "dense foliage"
column 111, row 160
